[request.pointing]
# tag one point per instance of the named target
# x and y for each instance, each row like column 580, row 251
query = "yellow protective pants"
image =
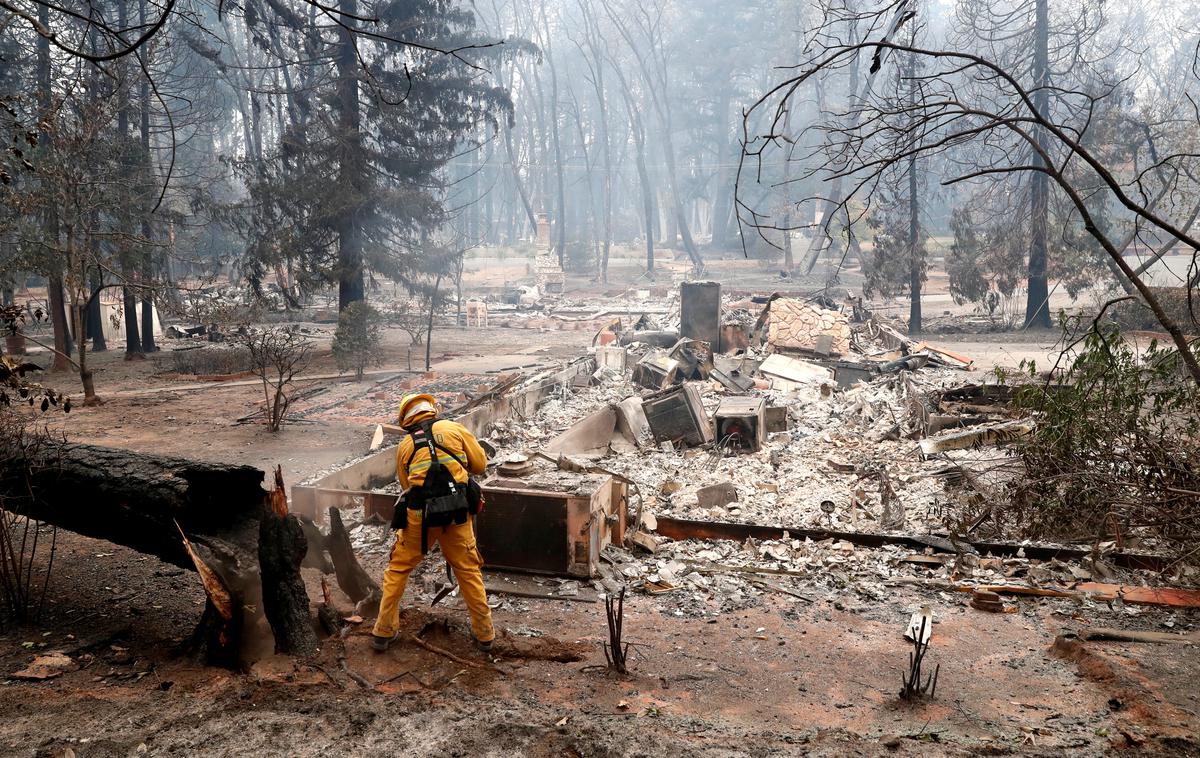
column 458, row 545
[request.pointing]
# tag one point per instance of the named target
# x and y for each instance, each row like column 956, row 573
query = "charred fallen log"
column 135, row 500
column 213, row 518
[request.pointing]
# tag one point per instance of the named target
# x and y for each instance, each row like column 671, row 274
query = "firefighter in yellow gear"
column 455, row 446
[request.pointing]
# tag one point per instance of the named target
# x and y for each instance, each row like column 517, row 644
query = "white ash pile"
column 837, row 445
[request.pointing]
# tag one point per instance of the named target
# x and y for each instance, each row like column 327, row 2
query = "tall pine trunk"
column 148, row 345
column 915, row 259
column 606, row 182
column 351, row 171
column 639, row 144
column 1037, row 306
column 95, row 316
column 560, row 222
column 722, row 212
column 821, row 239
column 63, row 344
column 130, row 199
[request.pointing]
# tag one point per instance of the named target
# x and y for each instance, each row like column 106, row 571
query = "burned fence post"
column 700, row 312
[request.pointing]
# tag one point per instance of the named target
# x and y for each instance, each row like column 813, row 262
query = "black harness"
column 441, row 500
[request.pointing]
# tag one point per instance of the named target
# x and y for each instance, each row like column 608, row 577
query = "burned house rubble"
column 814, row 448
column 619, row 379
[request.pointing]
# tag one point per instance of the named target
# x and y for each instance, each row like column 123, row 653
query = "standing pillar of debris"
column 700, row 312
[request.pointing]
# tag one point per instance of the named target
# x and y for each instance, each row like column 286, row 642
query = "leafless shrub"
column 27, row 547
column 912, row 686
column 277, row 355
column 410, row 314
column 616, row 650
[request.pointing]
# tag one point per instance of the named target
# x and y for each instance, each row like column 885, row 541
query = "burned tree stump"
column 281, row 549
column 219, row 635
column 213, row 518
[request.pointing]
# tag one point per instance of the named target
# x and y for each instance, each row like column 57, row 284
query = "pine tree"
column 357, row 185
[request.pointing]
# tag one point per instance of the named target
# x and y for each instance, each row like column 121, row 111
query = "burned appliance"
column 740, row 423
column 551, row 521
column 677, row 415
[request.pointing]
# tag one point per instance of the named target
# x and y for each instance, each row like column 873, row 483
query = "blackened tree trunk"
column 916, row 257
column 281, row 549
column 594, row 45
column 1037, row 306
column 648, row 210
column 136, row 500
column 148, row 345
column 560, row 194
column 95, row 320
column 133, row 341
column 639, row 145
column 147, row 314
column 914, row 254
column 822, row 238
column 518, row 182
column 63, row 344
column 722, row 212
column 213, row 518
column 351, row 171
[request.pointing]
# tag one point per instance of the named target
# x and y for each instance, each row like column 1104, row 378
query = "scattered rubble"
column 852, row 455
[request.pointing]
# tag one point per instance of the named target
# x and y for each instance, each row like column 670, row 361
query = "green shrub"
column 357, row 339
column 1115, row 454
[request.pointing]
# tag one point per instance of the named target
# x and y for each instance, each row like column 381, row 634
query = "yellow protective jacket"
column 455, row 438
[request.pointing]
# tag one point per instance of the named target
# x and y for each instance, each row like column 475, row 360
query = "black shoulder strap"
column 426, row 427
column 450, row 453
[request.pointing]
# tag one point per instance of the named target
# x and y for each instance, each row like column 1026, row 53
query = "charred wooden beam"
column 683, row 529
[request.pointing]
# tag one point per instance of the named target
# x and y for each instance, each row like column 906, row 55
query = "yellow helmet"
column 413, row 407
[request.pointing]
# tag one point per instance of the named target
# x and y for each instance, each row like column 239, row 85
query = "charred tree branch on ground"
column 351, row 577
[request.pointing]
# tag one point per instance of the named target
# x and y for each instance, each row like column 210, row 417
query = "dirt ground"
column 786, row 677
column 783, row 677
